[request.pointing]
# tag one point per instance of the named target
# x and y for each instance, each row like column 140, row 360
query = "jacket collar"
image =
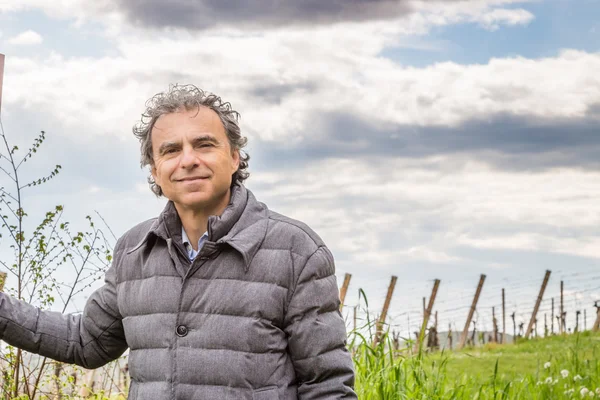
column 242, row 225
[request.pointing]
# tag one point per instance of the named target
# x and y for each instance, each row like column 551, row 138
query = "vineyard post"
column 503, row 318
column 597, row 323
column 552, row 318
column 386, row 305
column 514, row 326
column 465, row 332
column 494, row 326
column 537, row 303
column 562, row 309
column 344, row 289
column 436, row 284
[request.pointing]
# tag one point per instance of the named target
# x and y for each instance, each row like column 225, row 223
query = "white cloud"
column 26, row 38
column 579, row 246
column 429, row 207
column 494, row 18
column 333, row 69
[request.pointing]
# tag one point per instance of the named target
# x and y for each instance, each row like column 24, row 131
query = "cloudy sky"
column 423, row 139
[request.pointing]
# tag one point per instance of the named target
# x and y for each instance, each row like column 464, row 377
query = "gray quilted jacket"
column 254, row 316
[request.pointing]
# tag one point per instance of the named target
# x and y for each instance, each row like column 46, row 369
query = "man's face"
column 193, row 161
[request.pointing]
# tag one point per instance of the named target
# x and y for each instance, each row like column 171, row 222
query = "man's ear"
column 235, row 160
column 153, row 172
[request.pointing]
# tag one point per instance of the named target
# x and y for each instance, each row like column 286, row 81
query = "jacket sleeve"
column 90, row 340
column 317, row 333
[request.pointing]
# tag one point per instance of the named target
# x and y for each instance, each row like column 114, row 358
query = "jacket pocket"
column 266, row 393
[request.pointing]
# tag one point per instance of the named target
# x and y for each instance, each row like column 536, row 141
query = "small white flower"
column 547, row 365
column 598, row 391
column 577, row 378
column 564, row 373
column 570, row 391
column 592, row 394
column 538, row 383
column 548, row 380
column 584, row 391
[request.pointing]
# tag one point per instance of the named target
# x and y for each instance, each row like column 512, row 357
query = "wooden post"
column 584, row 320
column 344, row 289
column 503, row 318
column 57, row 383
column 386, row 305
column 494, row 326
column 552, row 318
column 537, row 303
column 1, row 78
column 436, row 284
column 561, row 328
column 465, row 332
column 545, row 325
column 514, row 327
column 424, row 307
column 577, row 320
column 597, row 323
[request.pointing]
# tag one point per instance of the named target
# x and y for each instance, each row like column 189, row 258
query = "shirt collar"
column 243, row 225
column 186, row 240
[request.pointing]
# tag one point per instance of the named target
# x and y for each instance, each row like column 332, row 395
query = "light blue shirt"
column 188, row 247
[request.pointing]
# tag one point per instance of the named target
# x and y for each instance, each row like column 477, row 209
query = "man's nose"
column 189, row 158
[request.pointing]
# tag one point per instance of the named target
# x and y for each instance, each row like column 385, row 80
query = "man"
column 218, row 297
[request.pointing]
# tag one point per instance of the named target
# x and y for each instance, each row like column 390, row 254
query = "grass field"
column 557, row 367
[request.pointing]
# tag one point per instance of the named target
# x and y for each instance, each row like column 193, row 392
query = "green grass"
column 491, row 372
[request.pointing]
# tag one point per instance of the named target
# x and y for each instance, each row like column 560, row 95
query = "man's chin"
column 197, row 201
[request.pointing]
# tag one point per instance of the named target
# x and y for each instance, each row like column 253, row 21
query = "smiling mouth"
column 195, row 178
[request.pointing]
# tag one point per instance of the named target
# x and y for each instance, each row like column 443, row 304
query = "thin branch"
column 9, row 153
column 7, row 173
column 2, row 199
column 52, row 232
column 105, row 224
column 4, row 191
column 8, row 227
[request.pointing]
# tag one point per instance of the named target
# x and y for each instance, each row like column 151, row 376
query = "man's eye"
column 169, row 151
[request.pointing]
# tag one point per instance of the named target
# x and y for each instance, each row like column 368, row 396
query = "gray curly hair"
column 189, row 97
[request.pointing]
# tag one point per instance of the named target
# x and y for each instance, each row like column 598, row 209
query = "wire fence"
column 579, row 301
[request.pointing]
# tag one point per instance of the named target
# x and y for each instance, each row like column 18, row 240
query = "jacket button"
column 181, row 330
